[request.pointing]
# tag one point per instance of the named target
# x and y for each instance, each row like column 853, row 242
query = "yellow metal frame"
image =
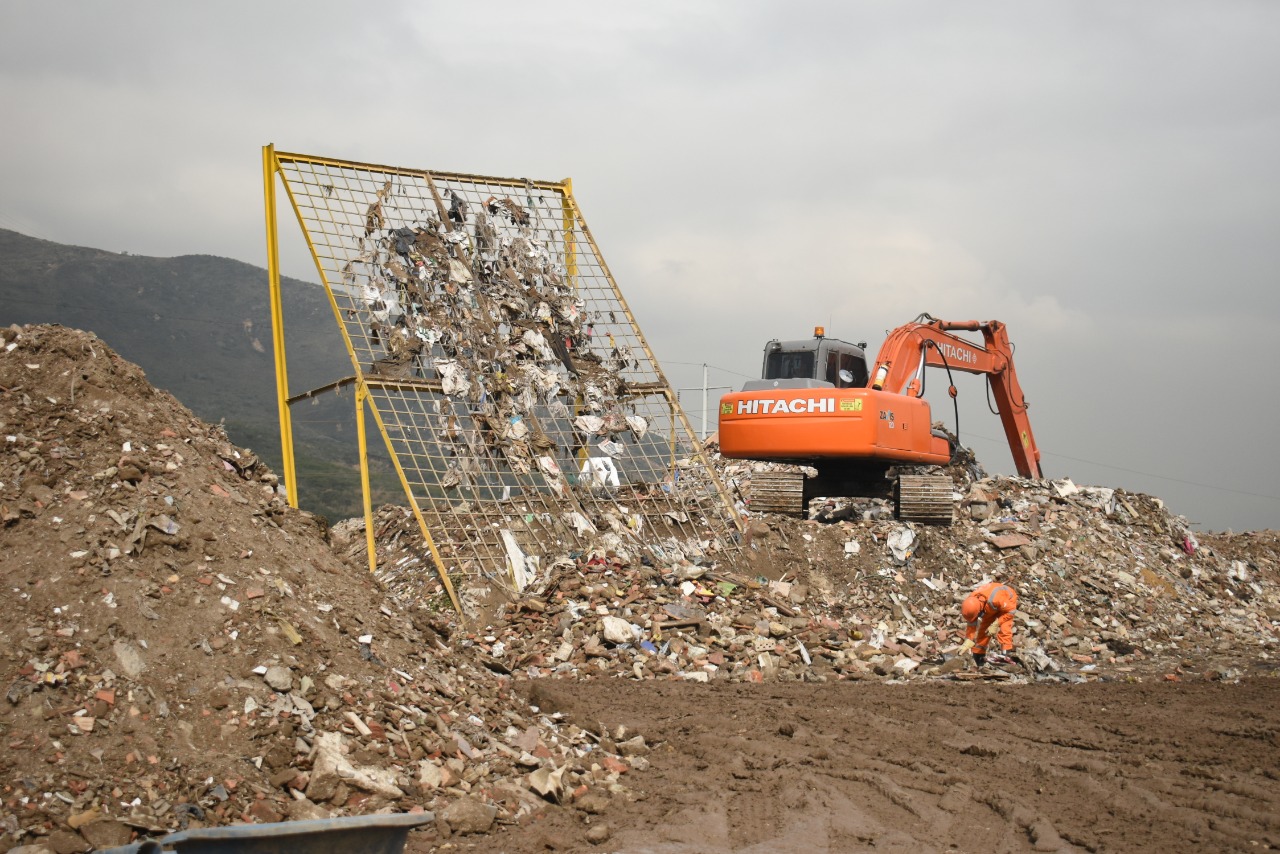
column 332, row 213
column 269, row 166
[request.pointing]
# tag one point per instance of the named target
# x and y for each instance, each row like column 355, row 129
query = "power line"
column 712, row 367
column 25, row 231
column 233, row 324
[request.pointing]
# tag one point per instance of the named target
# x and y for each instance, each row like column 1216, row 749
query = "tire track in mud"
column 941, row 766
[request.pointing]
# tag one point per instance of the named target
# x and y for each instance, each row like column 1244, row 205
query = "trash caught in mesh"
column 508, row 378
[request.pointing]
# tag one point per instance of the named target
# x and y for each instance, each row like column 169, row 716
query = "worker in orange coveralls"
column 989, row 611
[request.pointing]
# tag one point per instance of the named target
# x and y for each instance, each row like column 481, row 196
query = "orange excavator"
column 817, row 405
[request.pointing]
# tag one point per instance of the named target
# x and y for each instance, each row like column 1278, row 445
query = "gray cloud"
column 1100, row 175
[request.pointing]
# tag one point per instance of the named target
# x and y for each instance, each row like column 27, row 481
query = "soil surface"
column 1107, row 766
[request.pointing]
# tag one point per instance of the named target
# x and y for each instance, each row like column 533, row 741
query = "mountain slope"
column 200, row 326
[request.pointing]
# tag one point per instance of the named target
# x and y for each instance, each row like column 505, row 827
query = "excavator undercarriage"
column 924, row 498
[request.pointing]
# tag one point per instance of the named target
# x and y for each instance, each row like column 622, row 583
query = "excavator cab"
column 819, row 362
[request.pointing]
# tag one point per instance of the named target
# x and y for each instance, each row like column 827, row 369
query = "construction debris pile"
column 181, row 648
column 404, row 567
column 1110, row 584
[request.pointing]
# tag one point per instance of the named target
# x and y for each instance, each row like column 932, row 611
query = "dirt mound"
column 180, row 647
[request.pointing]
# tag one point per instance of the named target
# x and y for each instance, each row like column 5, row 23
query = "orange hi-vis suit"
column 990, row 602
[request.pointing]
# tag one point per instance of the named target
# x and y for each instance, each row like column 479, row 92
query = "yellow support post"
column 269, row 166
column 441, row 569
column 362, row 392
column 567, row 222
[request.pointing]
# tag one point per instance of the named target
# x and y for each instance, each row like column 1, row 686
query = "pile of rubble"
column 1111, row 586
column 494, row 320
column 181, row 648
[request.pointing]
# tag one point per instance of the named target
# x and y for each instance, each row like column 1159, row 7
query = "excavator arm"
column 928, row 342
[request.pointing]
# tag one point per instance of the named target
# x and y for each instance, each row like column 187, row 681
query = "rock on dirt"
column 468, row 815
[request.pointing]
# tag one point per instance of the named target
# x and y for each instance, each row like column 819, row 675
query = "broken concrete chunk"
column 130, row 658
column 106, row 833
column 469, row 815
column 279, row 678
column 617, row 630
column 430, row 775
column 548, row 782
column 331, row 768
column 1008, row 541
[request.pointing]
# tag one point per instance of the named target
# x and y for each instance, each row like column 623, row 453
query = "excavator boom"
column 928, row 342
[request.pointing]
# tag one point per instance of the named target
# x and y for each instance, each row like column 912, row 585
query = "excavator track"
column 925, row 498
column 777, row 492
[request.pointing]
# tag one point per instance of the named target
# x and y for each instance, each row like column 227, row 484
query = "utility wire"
column 712, row 367
column 25, row 231
column 1048, row 453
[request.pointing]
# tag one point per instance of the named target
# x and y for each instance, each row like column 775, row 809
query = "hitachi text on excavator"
column 817, row 405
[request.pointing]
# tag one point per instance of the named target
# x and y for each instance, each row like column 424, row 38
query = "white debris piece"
column 901, row 544
column 617, row 630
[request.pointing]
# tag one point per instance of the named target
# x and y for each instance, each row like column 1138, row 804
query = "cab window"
column 782, row 365
column 855, row 366
column 838, row 361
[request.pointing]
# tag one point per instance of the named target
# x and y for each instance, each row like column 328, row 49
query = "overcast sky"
column 1102, row 176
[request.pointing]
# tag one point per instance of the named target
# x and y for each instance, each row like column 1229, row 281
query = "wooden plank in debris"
column 680, row 624
column 784, row 610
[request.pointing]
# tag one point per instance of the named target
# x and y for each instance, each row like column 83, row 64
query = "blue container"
column 361, row 834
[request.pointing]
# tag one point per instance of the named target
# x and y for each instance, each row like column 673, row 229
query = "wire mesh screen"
column 517, row 395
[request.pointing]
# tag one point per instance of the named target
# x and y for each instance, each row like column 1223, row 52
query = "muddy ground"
column 929, row 767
